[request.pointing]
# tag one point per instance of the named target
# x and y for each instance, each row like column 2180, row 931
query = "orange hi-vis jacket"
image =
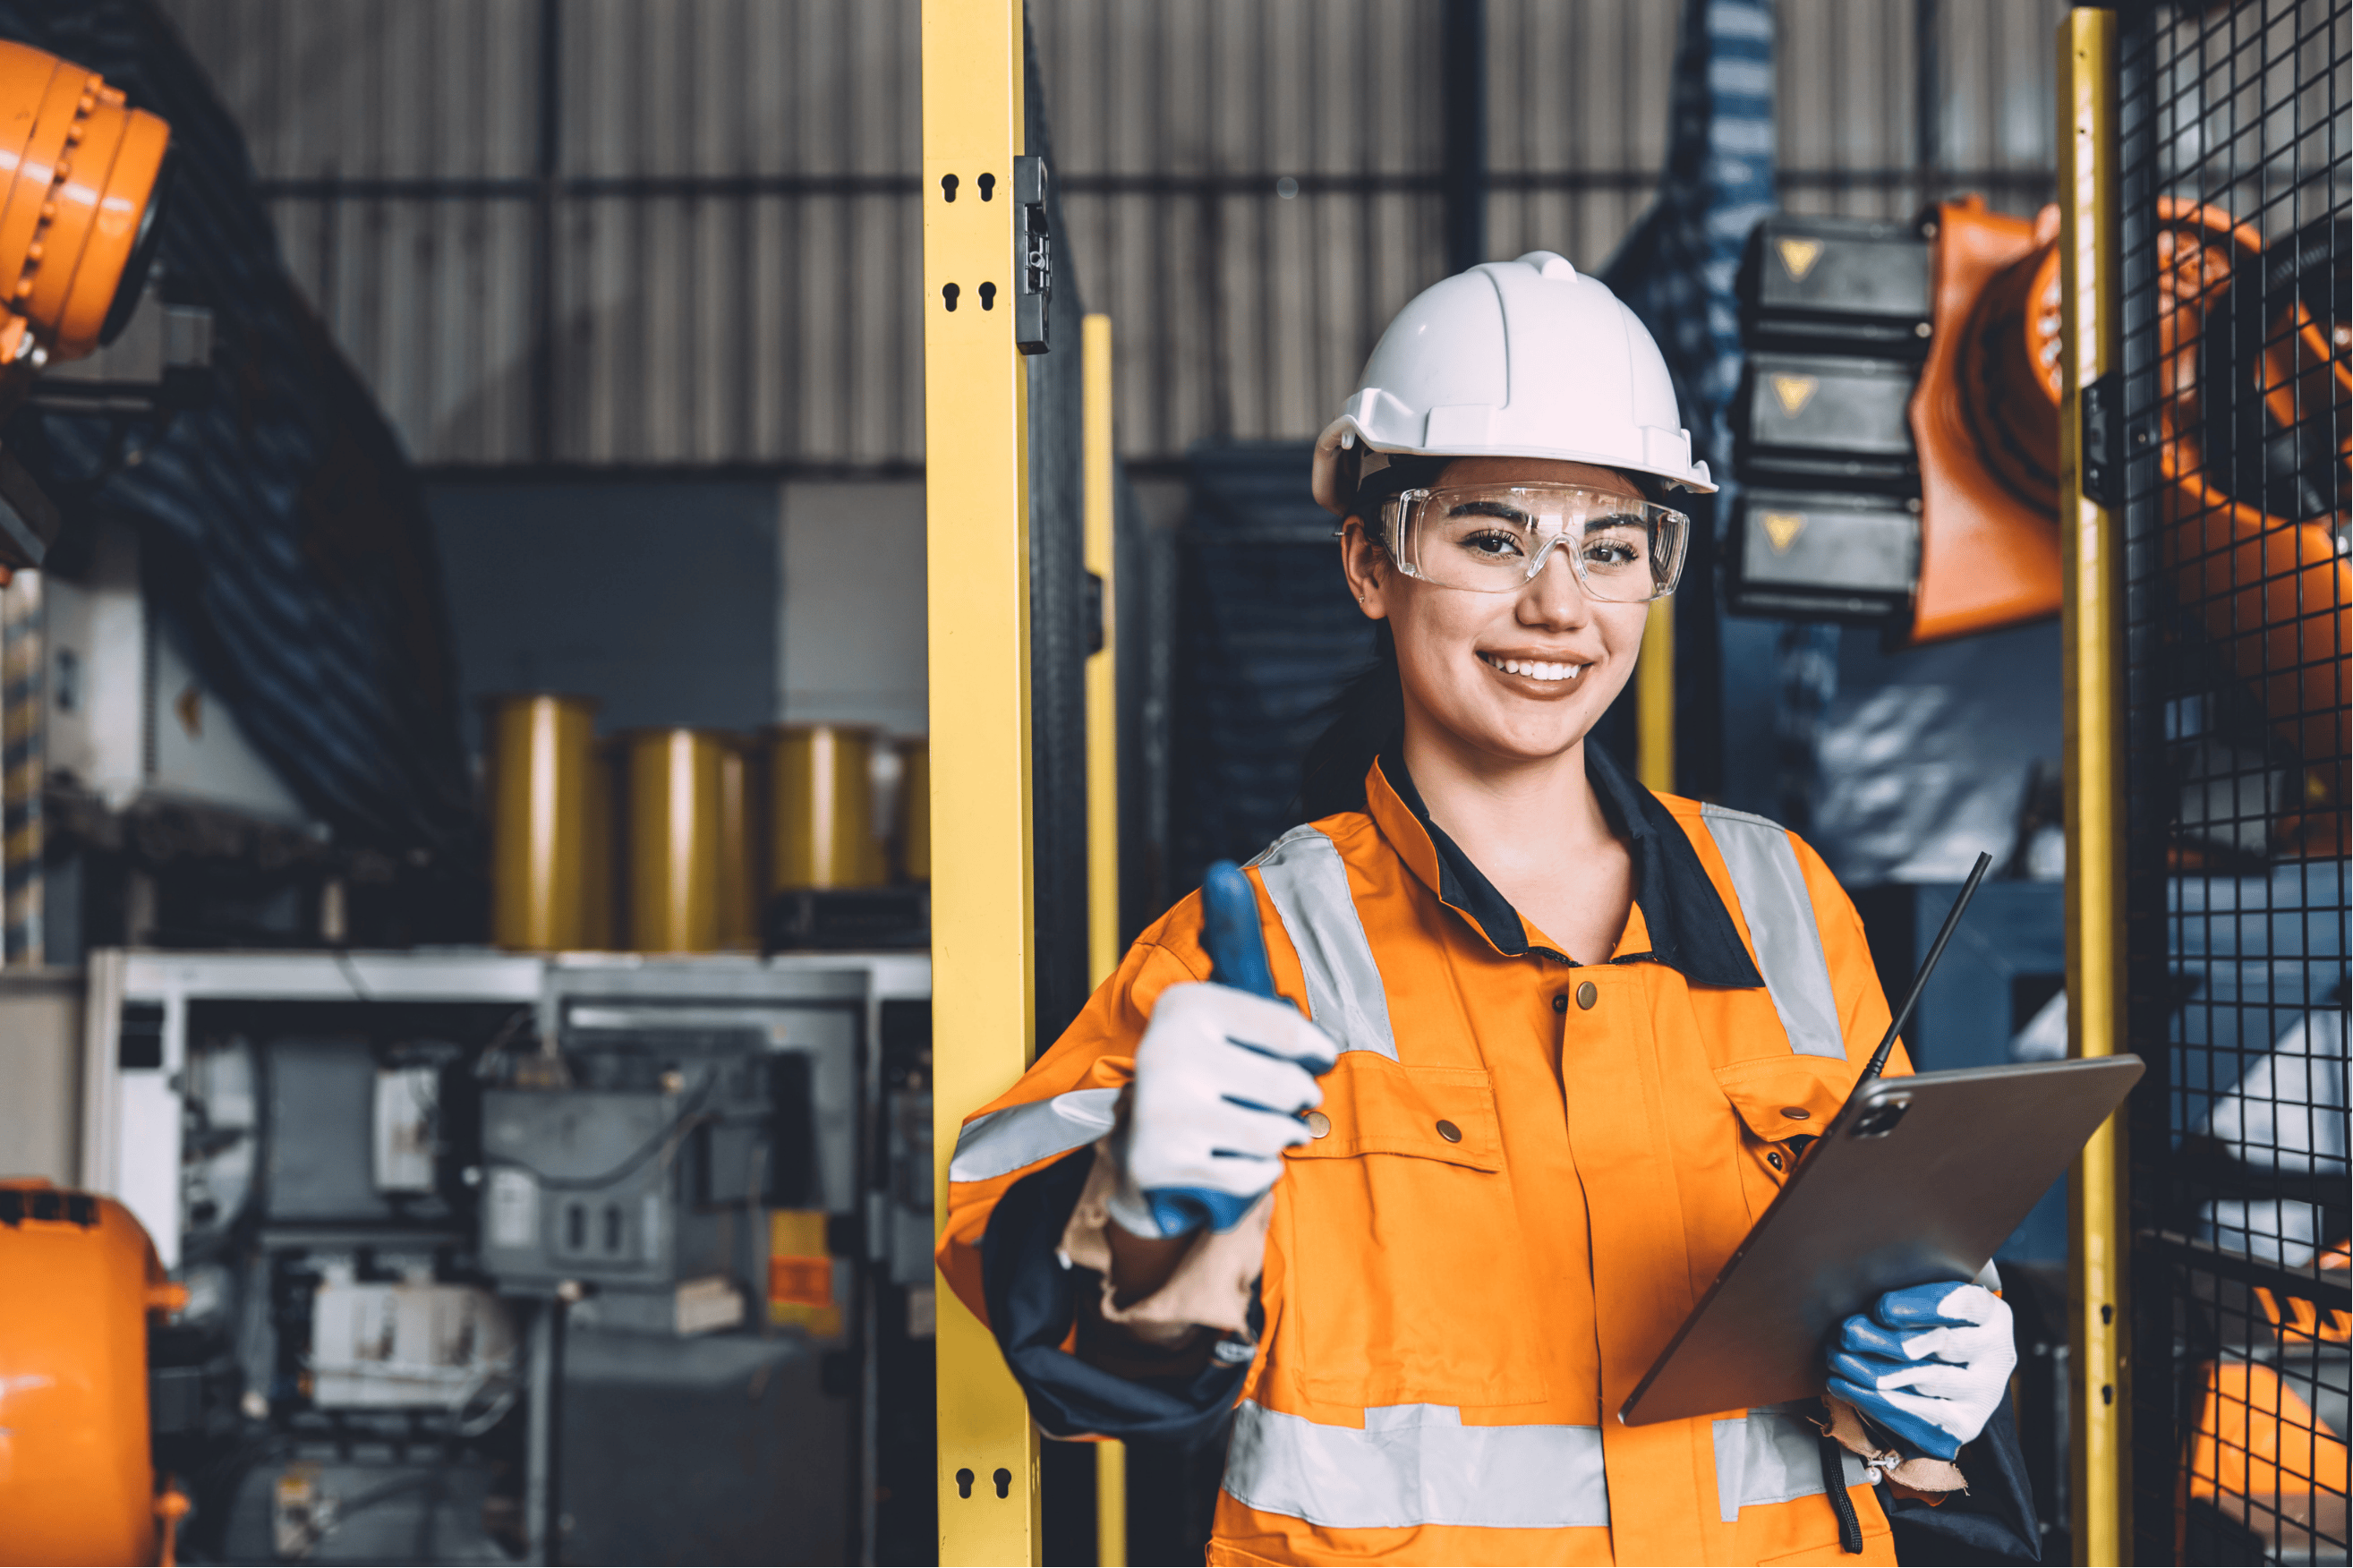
column 1533, row 1170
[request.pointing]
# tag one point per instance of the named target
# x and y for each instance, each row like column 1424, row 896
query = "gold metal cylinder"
column 821, row 808
column 915, row 808
column 675, row 807
column 739, row 867
column 540, row 757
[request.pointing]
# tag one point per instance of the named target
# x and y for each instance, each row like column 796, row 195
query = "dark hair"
column 1367, row 717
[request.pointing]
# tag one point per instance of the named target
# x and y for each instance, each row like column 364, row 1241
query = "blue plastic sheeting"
column 1924, row 756
column 284, row 529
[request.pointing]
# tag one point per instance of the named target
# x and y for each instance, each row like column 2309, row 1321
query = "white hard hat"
column 1521, row 359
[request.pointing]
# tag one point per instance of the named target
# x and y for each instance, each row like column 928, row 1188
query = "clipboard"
column 1915, row 1180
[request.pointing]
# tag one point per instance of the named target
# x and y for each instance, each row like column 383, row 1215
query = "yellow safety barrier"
column 1097, row 498
column 2092, row 538
column 975, row 436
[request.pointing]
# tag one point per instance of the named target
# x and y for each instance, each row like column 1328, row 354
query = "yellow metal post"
column 1654, row 700
column 975, row 436
column 1103, row 805
column 1102, row 668
column 2093, row 629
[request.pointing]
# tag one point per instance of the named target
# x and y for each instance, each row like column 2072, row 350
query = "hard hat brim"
column 1334, row 495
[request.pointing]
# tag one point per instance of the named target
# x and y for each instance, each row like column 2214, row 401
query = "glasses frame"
column 1392, row 525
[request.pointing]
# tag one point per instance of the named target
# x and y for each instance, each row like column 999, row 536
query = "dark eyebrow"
column 1490, row 509
column 1616, row 519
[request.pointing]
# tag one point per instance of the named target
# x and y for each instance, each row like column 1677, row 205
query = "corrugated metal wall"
column 701, row 247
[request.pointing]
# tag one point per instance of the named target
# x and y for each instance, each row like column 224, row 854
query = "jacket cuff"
column 1930, row 1479
column 1214, row 1283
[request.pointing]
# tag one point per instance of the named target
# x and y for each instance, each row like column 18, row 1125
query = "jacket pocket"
column 1782, row 1103
column 1406, row 1279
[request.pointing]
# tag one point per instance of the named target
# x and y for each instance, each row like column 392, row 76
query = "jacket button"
column 1774, row 1159
column 1587, row 995
column 1318, row 1123
column 1560, row 1003
column 1452, row 1133
column 1796, row 1114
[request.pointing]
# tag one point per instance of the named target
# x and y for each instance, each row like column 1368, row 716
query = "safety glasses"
column 1495, row 538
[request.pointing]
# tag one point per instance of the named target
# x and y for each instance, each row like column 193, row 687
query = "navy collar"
column 1690, row 931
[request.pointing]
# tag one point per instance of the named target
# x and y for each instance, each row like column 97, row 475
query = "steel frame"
column 976, row 441
column 2092, row 636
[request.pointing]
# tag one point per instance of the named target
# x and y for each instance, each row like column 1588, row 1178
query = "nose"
column 1555, row 598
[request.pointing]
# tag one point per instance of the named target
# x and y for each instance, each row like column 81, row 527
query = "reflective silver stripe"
column 1309, row 884
column 1780, row 916
column 1773, row 1455
column 1418, row 1464
column 1005, row 1141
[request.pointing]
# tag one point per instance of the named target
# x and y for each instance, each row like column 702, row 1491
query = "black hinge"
column 1033, row 256
column 1093, row 612
column 2102, row 453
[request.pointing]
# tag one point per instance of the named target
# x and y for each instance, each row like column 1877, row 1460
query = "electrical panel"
column 437, row 1228
column 586, row 1185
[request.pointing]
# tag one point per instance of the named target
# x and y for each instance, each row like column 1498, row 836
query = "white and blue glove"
column 1222, row 1079
column 1928, row 1363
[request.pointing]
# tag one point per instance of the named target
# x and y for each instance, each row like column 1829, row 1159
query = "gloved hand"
column 1928, row 1363
column 1221, row 1080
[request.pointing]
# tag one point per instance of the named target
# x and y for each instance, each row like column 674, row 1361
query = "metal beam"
column 1654, row 700
column 1099, row 498
column 977, row 442
column 1463, row 92
column 2092, row 527
column 338, row 189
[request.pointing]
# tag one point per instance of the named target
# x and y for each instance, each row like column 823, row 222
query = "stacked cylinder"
column 542, row 766
column 822, row 803
column 670, row 840
column 676, row 795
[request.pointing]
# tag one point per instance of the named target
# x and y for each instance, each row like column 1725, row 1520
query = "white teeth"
column 1536, row 668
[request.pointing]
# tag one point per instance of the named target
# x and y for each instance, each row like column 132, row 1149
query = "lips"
column 1534, row 668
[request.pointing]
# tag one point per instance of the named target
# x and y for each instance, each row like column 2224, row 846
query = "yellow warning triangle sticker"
column 1782, row 528
column 1795, row 392
column 1799, row 256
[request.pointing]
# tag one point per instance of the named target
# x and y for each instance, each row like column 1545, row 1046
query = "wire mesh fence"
column 2238, row 385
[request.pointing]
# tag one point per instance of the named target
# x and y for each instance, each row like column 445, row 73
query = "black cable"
column 352, row 975
column 687, row 1114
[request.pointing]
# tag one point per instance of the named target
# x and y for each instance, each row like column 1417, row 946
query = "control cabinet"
column 484, row 1251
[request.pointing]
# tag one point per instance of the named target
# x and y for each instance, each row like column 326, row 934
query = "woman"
column 1562, row 1041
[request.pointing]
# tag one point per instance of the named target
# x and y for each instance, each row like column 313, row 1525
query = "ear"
column 1372, row 576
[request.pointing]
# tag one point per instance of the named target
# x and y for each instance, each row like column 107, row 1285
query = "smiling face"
column 1518, row 677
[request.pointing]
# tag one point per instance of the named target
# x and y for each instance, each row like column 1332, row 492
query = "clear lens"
column 1495, row 538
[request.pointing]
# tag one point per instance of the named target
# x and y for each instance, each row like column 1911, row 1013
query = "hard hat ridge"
column 1524, row 358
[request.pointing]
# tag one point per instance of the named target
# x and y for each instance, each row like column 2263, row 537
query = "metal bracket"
column 2101, row 450
column 1033, row 258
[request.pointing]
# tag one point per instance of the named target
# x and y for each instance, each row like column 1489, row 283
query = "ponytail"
column 1367, row 717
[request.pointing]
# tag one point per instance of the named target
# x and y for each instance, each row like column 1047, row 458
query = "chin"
column 1532, row 737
